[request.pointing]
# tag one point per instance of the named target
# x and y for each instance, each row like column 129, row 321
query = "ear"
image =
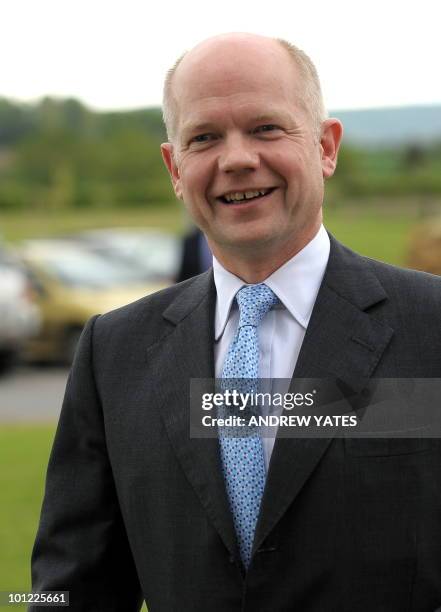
column 332, row 132
column 169, row 161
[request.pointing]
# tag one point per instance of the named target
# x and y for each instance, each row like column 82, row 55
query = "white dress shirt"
column 282, row 330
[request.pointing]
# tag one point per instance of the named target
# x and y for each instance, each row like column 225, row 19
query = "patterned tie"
column 242, row 457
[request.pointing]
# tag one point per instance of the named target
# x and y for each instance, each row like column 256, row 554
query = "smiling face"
column 246, row 160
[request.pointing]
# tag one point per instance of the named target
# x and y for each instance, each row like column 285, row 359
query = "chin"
column 252, row 241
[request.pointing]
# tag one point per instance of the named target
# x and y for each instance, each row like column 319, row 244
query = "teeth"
column 238, row 196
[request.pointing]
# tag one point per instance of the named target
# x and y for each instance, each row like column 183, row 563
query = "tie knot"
column 254, row 302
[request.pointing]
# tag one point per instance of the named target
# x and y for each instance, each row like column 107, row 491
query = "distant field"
column 18, row 226
column 381, row 235
column 377, row 231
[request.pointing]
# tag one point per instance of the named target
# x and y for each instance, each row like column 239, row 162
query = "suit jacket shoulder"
column 347, row 269
column 405, row 302
column 154, row 316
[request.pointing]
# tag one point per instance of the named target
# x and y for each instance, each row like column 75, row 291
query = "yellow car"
column 71, row 285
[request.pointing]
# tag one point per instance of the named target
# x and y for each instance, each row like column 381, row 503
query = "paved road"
column 32, row 394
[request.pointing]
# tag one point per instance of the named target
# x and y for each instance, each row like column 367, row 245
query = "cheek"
column 304, row 171
column 196, row 173
column 186, row 176
column 287, row 165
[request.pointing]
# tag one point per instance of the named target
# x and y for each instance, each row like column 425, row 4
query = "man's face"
column 246, row 160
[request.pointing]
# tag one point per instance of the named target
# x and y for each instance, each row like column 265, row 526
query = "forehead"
column 231, row 78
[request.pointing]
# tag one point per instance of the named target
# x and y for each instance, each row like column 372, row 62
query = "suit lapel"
column 344, row 343
column 186, row 353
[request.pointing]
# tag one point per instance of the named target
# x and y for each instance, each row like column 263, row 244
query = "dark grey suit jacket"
column 135, row 508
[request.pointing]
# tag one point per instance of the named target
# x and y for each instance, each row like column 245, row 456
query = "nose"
column 238, row 155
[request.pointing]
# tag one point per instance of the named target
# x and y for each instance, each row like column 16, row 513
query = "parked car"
column 72, row 284
column 19, row 316
column 151, row 253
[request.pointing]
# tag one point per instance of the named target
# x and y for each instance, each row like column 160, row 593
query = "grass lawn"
column 15, row 226
column 24, row 452
column 381, row 235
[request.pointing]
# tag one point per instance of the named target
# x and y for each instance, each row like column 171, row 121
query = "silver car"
column 19, row 315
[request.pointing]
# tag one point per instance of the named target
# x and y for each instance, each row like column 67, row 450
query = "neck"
column 256, row 266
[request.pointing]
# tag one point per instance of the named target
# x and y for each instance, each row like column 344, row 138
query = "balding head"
column 254, row 48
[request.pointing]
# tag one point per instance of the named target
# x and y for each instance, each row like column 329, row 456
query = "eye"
column 201, row 138
column 268, row 127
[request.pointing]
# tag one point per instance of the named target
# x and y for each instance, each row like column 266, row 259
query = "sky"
column 113, row 54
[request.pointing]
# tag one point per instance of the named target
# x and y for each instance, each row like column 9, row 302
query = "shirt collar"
column 296, row 283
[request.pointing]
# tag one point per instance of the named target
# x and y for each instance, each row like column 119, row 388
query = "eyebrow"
column 266, row 117
column 197, row 127
column 274, row 116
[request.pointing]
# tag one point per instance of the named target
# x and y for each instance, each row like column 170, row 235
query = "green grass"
column 15, row 226
column 24, row 452
column 379, row 234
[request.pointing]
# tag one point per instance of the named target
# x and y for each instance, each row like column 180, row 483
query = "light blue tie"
column 242, row 457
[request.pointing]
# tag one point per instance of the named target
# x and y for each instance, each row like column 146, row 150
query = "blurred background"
column 88, row 221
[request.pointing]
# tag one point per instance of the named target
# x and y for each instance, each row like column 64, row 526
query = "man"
column 134, row 506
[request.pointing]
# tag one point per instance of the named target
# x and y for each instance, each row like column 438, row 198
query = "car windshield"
column 79, row 269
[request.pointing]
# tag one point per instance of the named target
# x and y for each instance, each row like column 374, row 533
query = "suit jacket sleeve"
column 81, row 544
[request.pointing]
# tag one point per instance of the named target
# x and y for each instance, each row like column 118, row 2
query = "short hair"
column 169, row 103
column 312, row 97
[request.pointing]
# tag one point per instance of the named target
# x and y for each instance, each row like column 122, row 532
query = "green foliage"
column 389, row 173
column 60, row 155
column 16, row 122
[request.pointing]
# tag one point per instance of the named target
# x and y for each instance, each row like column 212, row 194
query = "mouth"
column 244, row 197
